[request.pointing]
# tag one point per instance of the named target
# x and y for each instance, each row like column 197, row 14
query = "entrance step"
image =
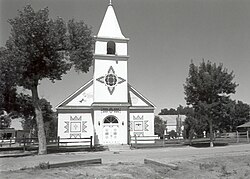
column 118, row 147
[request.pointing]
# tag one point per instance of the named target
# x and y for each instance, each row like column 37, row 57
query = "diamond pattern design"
column 111, row 80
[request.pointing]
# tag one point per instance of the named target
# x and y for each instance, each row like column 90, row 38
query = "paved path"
column 165, row 155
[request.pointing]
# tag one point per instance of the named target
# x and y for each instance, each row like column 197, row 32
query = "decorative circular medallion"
column 110, row 79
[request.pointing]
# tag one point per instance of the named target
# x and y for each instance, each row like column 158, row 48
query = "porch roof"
column 246, row 125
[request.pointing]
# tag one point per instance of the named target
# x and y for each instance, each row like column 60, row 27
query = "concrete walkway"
column 164, row 155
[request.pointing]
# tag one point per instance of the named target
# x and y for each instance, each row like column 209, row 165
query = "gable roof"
column 136, row 99
column 83, row 97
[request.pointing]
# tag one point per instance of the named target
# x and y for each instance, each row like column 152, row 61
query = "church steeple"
column 110, row 27
column 110, row 63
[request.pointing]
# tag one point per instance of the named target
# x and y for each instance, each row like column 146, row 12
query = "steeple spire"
column 110, row 26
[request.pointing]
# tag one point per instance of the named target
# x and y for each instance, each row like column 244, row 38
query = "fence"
column 75, row 141
column 242, row 136
column 8, row 142
column 143, row 139
column 233, row 137
column 223, row 139
column 59, row 142
column 154, row 141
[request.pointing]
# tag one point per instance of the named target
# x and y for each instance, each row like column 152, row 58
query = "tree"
column 46, row 48
column 8, row 81
column 15, row 105
column 5, row 120
column 179, row 111
column 242, row 113
column 27, row 112
column 185, row 110
column 233, row 114
column 170, row 111
column 159, row 126
column 205, row 86
column 194, row 125
column 172, row 134
column 8, row 91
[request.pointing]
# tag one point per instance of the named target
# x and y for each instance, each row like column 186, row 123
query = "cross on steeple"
column 110, row 2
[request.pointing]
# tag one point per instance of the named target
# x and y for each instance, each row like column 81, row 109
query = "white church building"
column 107, row 108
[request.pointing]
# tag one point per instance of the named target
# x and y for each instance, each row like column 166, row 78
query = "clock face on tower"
column 111, row 80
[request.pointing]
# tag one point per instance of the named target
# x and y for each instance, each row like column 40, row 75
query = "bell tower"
column 110, row 61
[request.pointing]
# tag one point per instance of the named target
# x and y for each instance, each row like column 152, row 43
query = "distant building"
column 16, row 124
column 15, row 130
column 244, row 127
column 11, row 133
column 174, row 123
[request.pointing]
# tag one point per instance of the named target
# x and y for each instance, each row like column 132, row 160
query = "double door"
column 111, row 134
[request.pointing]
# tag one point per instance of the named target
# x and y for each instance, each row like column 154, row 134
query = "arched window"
column 110, row 119
column 111, row 47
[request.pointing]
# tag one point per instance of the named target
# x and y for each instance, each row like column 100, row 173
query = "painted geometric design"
column 138, row 117
column 75, row 127
column 84, row 126
column 66, row 127
column 75, row 136
column 84, row 98
column 138, row 126
column 139, row 134
column 111, row 80
column 146, row 126
column 120, row 80
column 76, row 118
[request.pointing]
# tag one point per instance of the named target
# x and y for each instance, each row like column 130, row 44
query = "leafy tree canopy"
column 8, row 81
column 207, row 82
column 232, row 114
column 46, row 48
column 179, row 111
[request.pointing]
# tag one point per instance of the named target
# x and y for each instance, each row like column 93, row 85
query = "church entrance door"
column 110, row 130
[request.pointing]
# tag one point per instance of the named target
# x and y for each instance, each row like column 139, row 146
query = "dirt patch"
column 215, row 167
column 220, row 167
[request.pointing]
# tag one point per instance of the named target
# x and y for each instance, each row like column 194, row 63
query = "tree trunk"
column 191, row 135
column 39, row 120
column 211, row 132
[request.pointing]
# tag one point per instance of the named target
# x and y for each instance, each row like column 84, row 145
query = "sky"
column 165, row 35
